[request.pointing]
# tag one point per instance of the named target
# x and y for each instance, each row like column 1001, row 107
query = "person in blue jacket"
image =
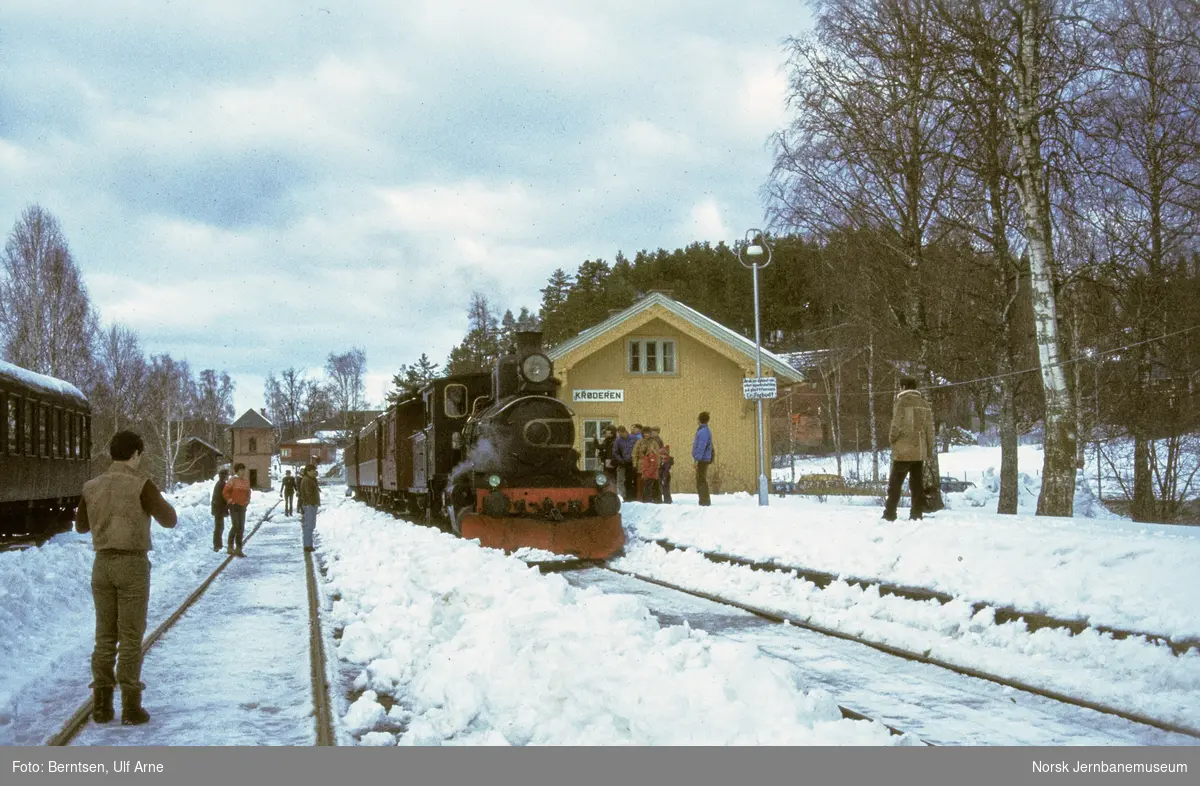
column 622, row 454
column 703, row 454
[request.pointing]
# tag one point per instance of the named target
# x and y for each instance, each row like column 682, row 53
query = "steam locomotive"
column 493, row 455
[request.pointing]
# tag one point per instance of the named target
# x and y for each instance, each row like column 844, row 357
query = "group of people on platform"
column 232, row 497
column 640, row 462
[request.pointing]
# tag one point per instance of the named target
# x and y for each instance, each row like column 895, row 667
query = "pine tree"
column 410, row 379
column 552, row 314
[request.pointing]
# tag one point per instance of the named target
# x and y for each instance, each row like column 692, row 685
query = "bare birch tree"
column 119, row 394
column 47, row 323
column 1042, row 51
column 214, row 404
column 346, row 386
column 172, row 393
column 1144, row 159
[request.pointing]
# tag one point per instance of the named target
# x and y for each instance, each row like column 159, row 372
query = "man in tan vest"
column 116, row 508
column 911, row 435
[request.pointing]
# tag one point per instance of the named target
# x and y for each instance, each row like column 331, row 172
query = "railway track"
column 320, row 694
column 1167, row 726
column 562, row 566
column 1034, row 620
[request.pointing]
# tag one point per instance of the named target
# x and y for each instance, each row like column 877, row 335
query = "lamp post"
column 754, row 245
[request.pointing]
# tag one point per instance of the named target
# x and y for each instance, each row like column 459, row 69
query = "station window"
column 253, row 445
column 593, row 435
column 651, row 356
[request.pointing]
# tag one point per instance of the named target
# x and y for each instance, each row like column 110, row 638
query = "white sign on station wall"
column 584, row 396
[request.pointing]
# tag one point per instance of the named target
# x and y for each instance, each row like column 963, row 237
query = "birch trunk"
column 871, row 410
column 1008, row 446
column 1058, row 464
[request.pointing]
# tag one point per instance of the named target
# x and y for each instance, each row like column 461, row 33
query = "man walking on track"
column 911, row 435
column 116, row 508
column 310, row 500
column 287, row 491
column 237, row 494
column 219, row 509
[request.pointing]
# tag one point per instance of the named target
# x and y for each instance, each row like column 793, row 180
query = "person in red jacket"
column 237, row 494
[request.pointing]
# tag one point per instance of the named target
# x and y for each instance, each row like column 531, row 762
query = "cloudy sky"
column 253, row 184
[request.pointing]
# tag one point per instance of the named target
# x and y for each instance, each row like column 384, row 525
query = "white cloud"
column 707, row 223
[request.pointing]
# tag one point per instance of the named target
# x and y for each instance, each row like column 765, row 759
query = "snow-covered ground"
column 442, row 642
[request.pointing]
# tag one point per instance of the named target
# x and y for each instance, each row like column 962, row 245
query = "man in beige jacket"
column 116, row 508
column 911, row 436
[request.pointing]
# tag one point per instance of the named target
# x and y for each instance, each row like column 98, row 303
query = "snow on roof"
column 731, row 337
column 32, row 379
column 206, row 444
column 805, row 359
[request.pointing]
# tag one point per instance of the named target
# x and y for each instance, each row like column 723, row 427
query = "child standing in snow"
column 665, row 462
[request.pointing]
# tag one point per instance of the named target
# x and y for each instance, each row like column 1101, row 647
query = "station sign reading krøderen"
column 759, row 387
column 597, row 395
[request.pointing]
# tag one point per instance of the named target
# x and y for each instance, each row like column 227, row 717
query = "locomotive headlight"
column 536, row 368
column 494, row 481
column 601, row 479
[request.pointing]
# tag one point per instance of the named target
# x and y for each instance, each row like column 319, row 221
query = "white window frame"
column 591, row 463
column 658, row 343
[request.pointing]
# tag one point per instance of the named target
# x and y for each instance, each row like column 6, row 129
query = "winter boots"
column 102, row 705
column 132, row 713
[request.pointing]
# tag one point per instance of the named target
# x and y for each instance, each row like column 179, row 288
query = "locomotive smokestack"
column 528, row 341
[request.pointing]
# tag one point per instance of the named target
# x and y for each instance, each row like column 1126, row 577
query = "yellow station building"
column 661, row 363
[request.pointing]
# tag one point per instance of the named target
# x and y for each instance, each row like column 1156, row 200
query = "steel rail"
column 1135, row 717
column 316, row 647
column 1035, row 620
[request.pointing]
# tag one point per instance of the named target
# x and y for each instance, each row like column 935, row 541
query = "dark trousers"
column 702, row 482
column 665, row 482
column 218, row 529
column 631, row 480
column 916, row 487
column 121, row 592
column 287, row 503
column 237, row 524
column 651, row 490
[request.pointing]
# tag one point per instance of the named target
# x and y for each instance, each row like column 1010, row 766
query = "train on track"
column 45, row 449
column 493, row 457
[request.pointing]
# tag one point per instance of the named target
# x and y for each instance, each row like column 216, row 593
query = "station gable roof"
column 729, row 342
